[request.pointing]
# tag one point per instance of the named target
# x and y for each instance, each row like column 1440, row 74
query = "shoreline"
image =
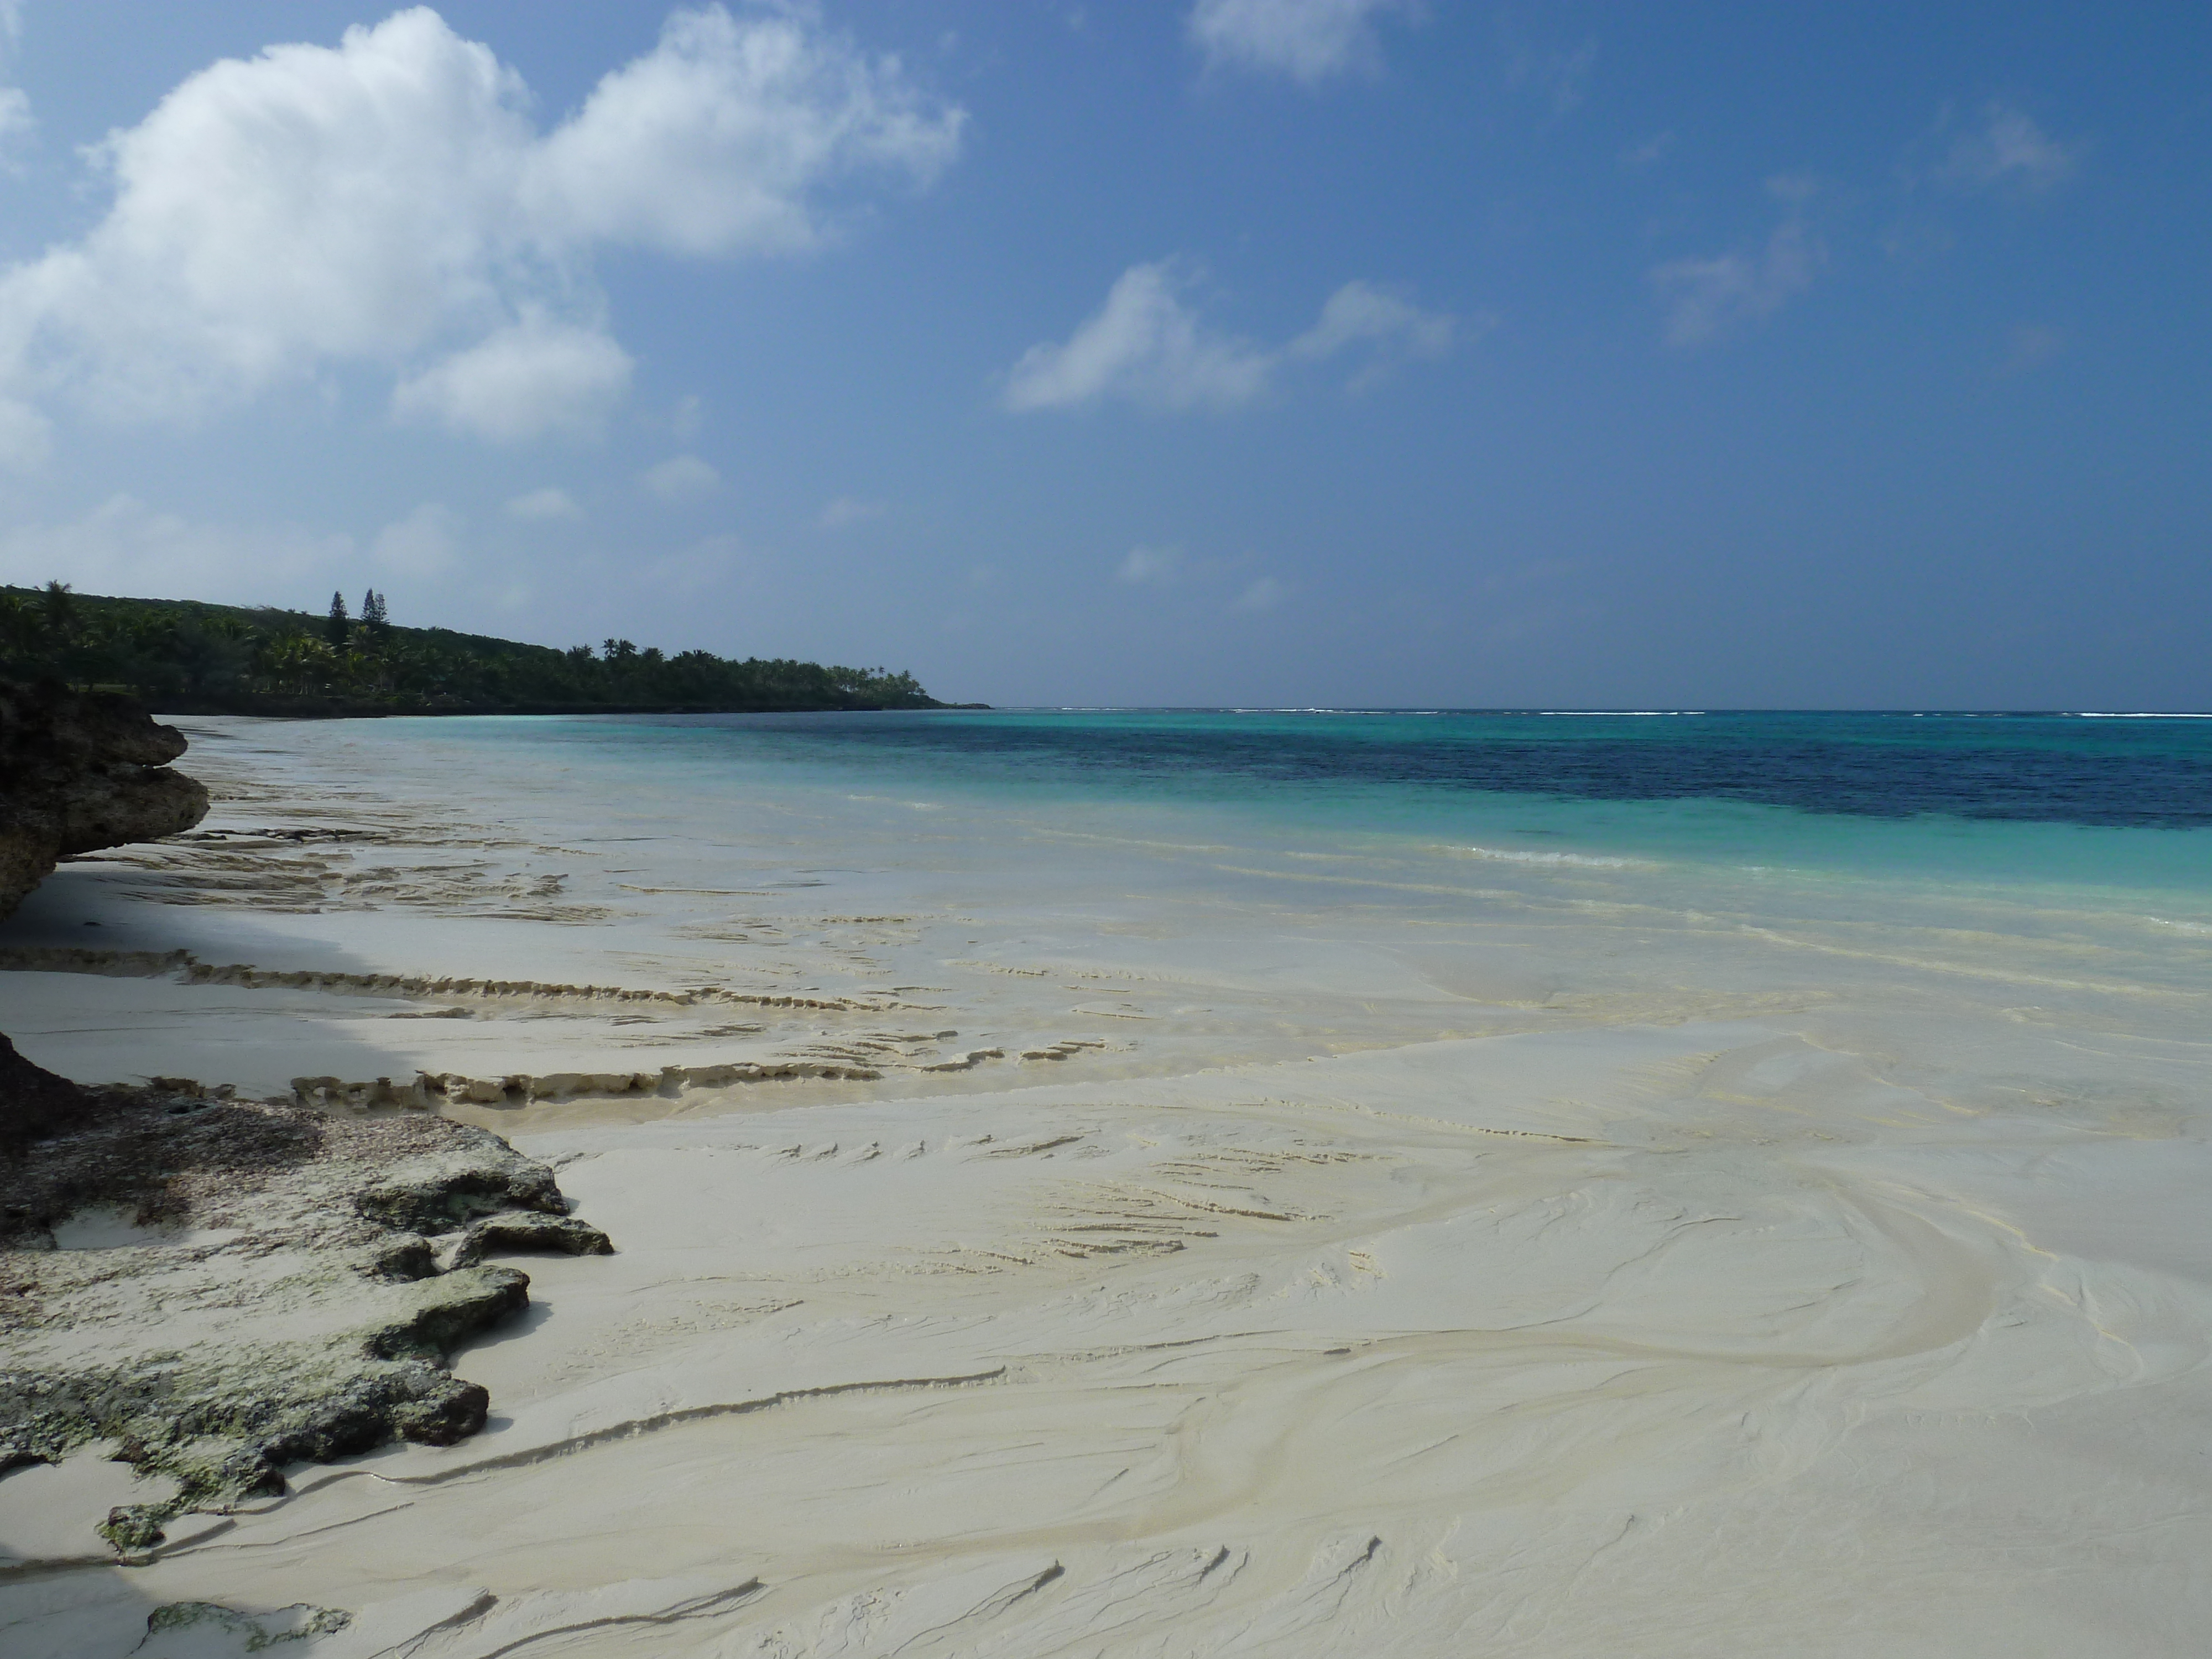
column 278, row 707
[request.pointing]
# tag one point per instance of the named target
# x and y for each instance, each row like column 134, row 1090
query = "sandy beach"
column 1061, row 1231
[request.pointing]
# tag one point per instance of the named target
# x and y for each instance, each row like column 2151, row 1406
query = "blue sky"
column 1282, row 351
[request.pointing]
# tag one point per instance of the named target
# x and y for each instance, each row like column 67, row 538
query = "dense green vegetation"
column 189, row 658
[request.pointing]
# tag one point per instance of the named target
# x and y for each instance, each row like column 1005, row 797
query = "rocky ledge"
column 80, row 771
column 216, row 1288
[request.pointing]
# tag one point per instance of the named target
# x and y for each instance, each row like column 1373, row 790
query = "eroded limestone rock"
column 80, row 771
column 200, row 1629
column 438, row 1192
column 563, row 1234
column 218, row 1289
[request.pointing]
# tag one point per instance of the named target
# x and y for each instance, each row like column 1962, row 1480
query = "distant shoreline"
column 195, row 657
column 285, row 708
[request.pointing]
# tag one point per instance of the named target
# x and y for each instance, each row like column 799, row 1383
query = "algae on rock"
column 263, row 1288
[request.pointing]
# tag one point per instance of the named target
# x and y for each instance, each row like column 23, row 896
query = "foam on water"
column 1504, row 855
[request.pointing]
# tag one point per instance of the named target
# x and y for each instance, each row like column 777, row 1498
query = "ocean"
column 1928, row 858
column 2076, row 810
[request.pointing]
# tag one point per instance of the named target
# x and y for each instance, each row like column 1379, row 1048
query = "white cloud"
column 1708, row 298
column 1309, row 41
column 1262, row 593
column 718, row 138
column 681, row 478
column 1360, row 313
column 2008, row 151
column 412, row 219
column 123, row 546
column 17, row 124
column 426, row 542
column 844, row 512
column 1152, row 565
column 546, row 506
column 1146, row 345
column 1143, row 343
column 521, row 382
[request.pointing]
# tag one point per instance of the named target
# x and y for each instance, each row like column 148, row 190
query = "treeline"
column 185, row 657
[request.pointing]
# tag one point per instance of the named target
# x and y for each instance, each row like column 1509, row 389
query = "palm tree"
column 58, row 610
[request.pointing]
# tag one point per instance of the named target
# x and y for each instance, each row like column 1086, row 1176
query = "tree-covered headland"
column 185, row 657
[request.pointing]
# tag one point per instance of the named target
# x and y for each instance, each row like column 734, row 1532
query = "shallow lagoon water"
column 1981, row 797
column 2046, row 824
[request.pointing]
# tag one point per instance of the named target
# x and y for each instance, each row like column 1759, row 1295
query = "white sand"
column 1380, row 1254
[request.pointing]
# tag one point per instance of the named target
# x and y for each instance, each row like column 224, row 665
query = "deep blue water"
column 2145, row 773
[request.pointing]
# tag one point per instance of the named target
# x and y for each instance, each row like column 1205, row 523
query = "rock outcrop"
column 219, row 1288
column 34, row 1103
column 80, row 771
column 521, row 1230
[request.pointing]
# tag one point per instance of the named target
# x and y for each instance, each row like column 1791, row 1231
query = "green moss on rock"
column 285, row 1307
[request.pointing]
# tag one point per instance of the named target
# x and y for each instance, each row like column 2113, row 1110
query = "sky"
column 1203, row 352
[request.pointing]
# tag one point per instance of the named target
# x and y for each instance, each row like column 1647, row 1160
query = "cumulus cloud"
column 1309, row 41
column 1360, row 313
column 548, row 506
column 1147, row 346
column 2008, row 151
column 682, row 479
column 1149, row 565
column 1709, row 299
column 390, row 203
column 1144, row 344
column 721, row 136
column 123, row 546
column 844, row 512
column 535, row 377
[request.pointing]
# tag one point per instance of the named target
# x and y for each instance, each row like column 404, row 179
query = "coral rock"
column 80, row 771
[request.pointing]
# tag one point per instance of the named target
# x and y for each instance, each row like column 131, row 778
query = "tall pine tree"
column 334, row 629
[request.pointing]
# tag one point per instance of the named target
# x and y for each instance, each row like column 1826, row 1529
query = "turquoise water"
column 2096, row 810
